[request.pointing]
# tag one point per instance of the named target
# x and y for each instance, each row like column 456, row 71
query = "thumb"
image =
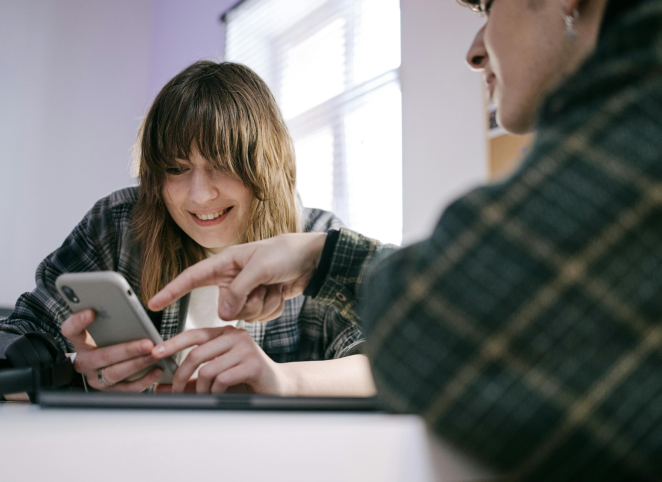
column 230, row 303
column 233, row 298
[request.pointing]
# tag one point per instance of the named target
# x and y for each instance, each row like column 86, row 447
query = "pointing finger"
column 200, row 274
column 186, row 339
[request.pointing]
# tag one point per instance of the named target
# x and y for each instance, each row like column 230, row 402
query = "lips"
column 490, row 80
column 206, row 217
column 212, row 218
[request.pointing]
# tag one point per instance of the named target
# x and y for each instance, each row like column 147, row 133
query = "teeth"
column 206, row 217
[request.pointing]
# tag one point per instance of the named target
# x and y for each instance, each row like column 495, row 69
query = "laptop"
column 188, row 401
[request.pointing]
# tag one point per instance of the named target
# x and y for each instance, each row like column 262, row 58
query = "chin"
column 209, row 244
column 515, row 120
column 215, row 245
column 516, row 125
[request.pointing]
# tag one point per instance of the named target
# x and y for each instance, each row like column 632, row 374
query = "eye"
column 488, row 6
column 176, row 170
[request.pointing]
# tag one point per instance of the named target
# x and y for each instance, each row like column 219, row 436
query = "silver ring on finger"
column 102, row 380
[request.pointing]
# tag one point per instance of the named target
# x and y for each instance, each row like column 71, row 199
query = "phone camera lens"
column 70, row 294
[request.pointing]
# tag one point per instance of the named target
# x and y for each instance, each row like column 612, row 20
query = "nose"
column 201, row 188
column 477, row 54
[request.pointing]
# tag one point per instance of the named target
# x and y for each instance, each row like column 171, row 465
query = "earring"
column 570, row 20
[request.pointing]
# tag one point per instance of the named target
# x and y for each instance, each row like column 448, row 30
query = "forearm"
column 342, row 377
column 17, row 397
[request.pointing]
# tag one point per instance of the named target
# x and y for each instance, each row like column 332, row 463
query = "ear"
column 569, row 6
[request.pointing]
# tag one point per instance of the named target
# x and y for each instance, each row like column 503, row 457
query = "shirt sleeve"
column 516, row 334
column 526, row 328
column 322, row 270
column 352, row 257
column 325, row 334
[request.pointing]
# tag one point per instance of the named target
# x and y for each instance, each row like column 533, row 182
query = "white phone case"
column 120, row 317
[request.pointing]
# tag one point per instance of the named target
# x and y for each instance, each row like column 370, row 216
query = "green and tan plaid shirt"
column 527, row 330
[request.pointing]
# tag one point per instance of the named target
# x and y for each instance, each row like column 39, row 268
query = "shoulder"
column 126, row 196
column 117, row 206
column 109, row 217
column 319, row 221
column 119, row 200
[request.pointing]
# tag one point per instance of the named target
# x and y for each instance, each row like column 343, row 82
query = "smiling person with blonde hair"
column 216, row 166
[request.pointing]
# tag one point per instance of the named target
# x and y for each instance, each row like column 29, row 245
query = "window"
column 333, row 66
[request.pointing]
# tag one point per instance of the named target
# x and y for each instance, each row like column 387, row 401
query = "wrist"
column 323, row 259
column 316, row 247
column 288, row 382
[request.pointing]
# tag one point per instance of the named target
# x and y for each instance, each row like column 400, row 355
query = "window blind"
column 333, row 66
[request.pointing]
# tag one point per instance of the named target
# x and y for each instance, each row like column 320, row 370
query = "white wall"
column 183, row 32
column 444, row 145
column 73, row 84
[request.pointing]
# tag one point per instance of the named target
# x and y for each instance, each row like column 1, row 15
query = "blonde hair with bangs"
column 230, row 115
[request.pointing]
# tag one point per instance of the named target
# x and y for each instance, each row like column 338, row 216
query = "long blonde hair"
column 230, row 115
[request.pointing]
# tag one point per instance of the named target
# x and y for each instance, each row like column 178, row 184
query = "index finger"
column 185, row 340
column 196, row 276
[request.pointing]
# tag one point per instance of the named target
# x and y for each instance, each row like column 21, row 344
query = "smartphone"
column 120, row 317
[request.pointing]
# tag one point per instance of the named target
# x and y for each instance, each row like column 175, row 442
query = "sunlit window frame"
column 333, row 112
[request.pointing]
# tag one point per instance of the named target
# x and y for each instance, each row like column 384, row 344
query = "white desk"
column 192, row 446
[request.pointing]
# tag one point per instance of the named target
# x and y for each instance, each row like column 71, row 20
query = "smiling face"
column 214, row 155
column 210, row 206
column 524, row 52
column 521, row 52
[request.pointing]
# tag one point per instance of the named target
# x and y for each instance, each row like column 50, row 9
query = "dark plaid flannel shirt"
column 306, row 330
column 528, row 329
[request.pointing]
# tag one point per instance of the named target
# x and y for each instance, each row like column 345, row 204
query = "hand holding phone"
column 116, row 362
column 111, row 331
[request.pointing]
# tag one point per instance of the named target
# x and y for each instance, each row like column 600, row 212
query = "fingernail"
column 226, row 309
column 149, row 359
column 159, row 350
